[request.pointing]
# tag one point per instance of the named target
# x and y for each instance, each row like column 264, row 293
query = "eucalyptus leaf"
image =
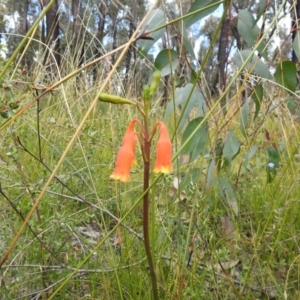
column 186, row 97
column 249, row 154
column 192, row 177
column 296, row 44
column 186, row 41
column 249, row 30
column 254, row 66
column 261, row 9
column 166, row 61
column 227, row 193
column 272, row 163
column 231, row 146
column 286, row 75
column 196, row 145
column 244, row 120
column 210, row 173
column 155, row 19
column 257, row 96
column 206, row 7
column 291, row 104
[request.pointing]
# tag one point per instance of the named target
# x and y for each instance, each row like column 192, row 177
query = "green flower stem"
column 147, row 146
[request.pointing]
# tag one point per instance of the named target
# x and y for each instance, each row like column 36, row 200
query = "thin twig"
column 80, row 271
column 140, row 237
column 28, row 226
column 38, row 109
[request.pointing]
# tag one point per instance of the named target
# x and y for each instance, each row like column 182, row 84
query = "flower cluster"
column 126, row 154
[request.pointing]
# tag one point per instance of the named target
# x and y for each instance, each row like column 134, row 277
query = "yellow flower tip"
column 123, row 178
column 124, row 162
column 162, row 169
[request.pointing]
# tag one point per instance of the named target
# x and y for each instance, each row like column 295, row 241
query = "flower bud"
column 146, row 93
column 115, row 99
column 155, row 82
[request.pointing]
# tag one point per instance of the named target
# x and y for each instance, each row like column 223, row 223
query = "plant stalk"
column 147, row 145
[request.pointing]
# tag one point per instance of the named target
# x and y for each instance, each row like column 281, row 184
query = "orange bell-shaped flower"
column 129, row 130
column 125, row 159
column 128, row 134
column 163, row 162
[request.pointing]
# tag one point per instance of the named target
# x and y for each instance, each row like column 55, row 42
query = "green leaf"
column 210, row 173
column 254, row 66
column 257, row 97
column 272, row 163
column 201, row 5
column 193, row 75
column 181, row 98
column 249, row 30
column 244, row 120
column 13, row 105
column 218, row 153
column 261, row 9
column 4, row 115
column 166, row 61
column 179, row 81
column 291, row 104
column 191, row 177
column 227, row 193
column 8, row 93
column 155, row 19
column 186, row 41
column 10, row 113
column 249, row 154
column 285, row 75
column 231, row 146
column 296, row 44
column 197, row 143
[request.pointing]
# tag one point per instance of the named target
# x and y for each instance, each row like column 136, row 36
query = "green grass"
column 261, row 256
column 72, row 248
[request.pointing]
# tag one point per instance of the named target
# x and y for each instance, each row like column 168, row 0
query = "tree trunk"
column 132, row 49
column 52, row 38
column 166, row 79
column 24, row 28
column 223, row 54
column 23, row 17
column 114, row 35
column 101, row 25
column 100, row 35
column 78, row 38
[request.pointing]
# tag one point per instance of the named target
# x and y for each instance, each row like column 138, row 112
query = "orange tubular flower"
column 129, row 130
column 163, row 162
column 126, row 155
column 125, row 158
column 128, row 134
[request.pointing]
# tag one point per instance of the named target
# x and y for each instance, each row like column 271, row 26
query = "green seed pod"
column 155, row 82
column 146, row 93
column 115, row 99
